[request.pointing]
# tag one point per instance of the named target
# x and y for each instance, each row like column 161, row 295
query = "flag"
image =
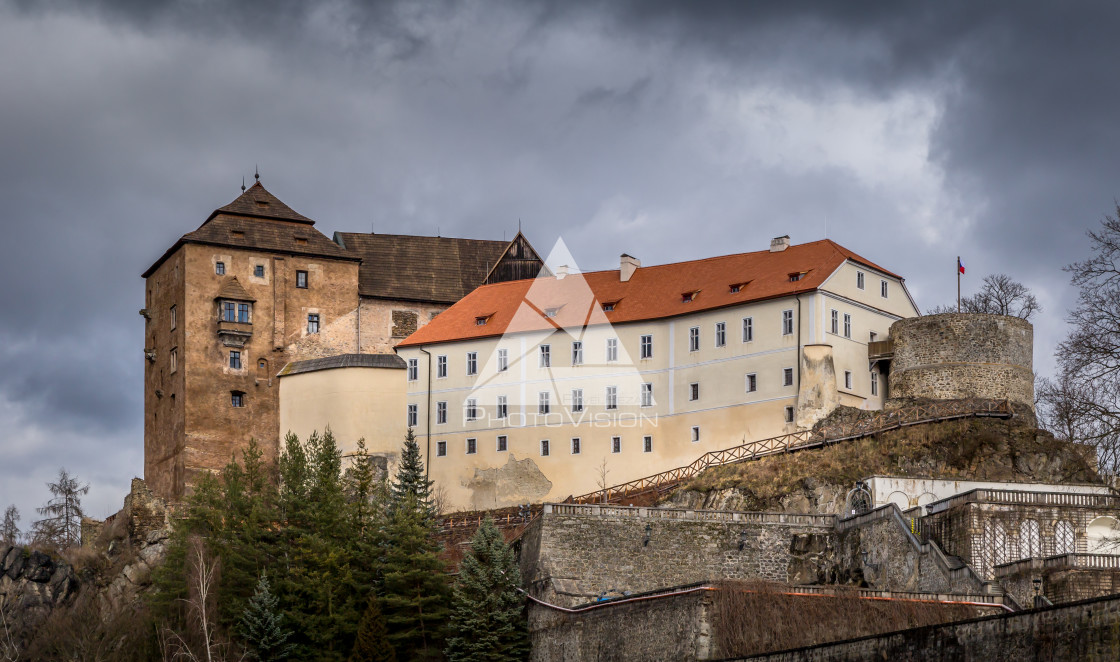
column 960, row 265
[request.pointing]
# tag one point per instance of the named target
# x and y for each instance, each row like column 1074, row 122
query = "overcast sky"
column 908, row 132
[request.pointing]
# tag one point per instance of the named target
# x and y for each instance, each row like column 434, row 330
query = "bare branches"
column 9, row 651
column 999, row 295
column 201, row 643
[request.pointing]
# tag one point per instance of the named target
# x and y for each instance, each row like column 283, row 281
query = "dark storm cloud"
column 911, row 132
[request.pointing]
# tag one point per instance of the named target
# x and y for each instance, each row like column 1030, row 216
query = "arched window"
column 993, row 548
column 1030, row 544
column 1103, row 535
column 1063, row 538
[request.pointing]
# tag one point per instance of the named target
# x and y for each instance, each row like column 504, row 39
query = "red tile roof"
column 653, row 292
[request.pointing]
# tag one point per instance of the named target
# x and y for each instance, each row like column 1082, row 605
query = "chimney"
column 561, row 271
column 779, row 244
column 627, row 265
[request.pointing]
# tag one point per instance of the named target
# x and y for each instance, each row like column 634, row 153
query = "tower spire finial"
column 242, row 183
column 256, row 173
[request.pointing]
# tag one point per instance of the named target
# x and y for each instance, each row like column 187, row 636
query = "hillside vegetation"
column 818, row 480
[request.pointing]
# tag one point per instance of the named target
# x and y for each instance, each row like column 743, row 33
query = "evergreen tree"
column 487, row 611
column 415, row 595
column 63, row 521
column 411, row 479
column 372, row 643
column 9, row 530
column 261, row 627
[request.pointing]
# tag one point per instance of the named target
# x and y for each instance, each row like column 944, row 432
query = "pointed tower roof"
column 257, row 202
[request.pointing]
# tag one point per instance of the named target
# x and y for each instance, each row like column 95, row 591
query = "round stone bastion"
column 963, row 355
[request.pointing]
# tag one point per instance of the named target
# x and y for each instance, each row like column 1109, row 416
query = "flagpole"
column 958, row 283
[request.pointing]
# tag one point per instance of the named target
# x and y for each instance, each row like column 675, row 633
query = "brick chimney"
column 779, row 244
column 627, row 265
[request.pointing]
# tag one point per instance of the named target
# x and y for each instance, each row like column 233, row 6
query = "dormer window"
column 796, row 276
column 736, row 288
column 301, row 241
column 551, row 312
column 482, row 320
column 689, row 297
column 608, row 306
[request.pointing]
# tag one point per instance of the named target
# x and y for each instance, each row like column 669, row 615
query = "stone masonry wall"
column 961, row 356
column 1088, row 631
column 674, row 628
column 575, row 553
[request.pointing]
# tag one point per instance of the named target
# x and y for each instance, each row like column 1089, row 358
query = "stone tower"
column 226, row 307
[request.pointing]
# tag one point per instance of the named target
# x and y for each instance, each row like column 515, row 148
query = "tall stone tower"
column 226, row 307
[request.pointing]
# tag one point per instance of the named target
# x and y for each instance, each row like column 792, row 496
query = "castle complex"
column 525, row 384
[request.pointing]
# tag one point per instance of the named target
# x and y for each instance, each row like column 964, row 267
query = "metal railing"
column 885, row 421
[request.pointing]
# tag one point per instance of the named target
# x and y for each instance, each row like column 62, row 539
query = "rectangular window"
column 220, row 268
column 502, row 443
column 301, row 280
column 413, row 415
column 258, row 271
column 694, row 339
column 471, row 409
column 441, row 413
column 503, row 360
column 787, row 376
column 229, row 311
column 441, row 367
column 647, row 444
column 577, row 352
column 789, row 414
column 752, row 383
column 835, row 321
column 544, row 447
column 721, row 334
column 748, row 329
column 616, row 444
column 647, row 394
column 503, row 407
column 413, row 369
column 847, row 325
column 243, row 313
column 546, row 356
column 441, row 448
column 859, row 279
column 234, row 359
column 647, row 347
column 612, row 349
column 544, row 403
column 883, row 289
column 577, row 399
column 848, row 379
column 173, row 321
column 695, row 433
column 237, row 399
column 472, row 363
column 174, row 359
column 575, row 445
column 612, row 397
column 787, row 322
column 472, row 446
column 694, row 391
column 874, row 383
column 313, row 323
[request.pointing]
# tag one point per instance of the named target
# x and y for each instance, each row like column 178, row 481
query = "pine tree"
column 487, row 612
column 415, row 595
column 411, row 479
column 261, row 625
column 62, row 524
column 9, row 530
column 372, row 643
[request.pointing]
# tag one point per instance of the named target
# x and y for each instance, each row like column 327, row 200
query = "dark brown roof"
column 232, row 290
column 437, row 269
column 271, row 227
column 345, row 361
column 259, row 203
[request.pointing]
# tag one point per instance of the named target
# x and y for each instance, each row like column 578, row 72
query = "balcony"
column 234, row 334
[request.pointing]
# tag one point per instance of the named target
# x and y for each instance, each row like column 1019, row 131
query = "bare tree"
column 602, row 481
column 63, row 521
column 998, row 295
column 201, row 641
column 9, row 530
column 1083, row 402
column 9, row 651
